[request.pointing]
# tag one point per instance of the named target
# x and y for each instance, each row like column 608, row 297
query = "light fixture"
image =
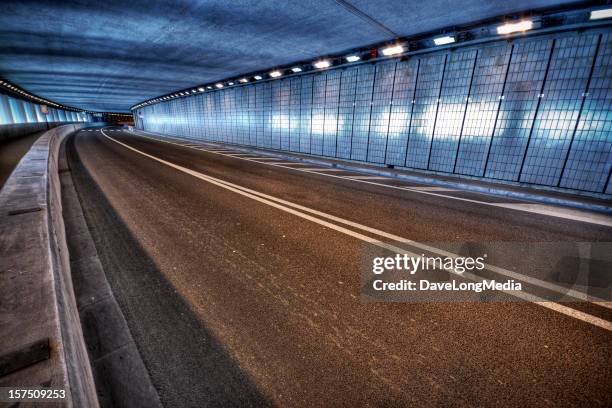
column 353, row 58
column 296, row 69
column 243, row 80
column 509, row 28
column 201, row 89
column 194, row 91
column 447, row 39
column 601, row 14
column 321, row 64
column 219, row 85
column 275, row 74
column 257, row 77
column 209, row 87
column 393, row 50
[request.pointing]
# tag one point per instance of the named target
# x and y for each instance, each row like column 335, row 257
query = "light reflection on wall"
column 494, row 113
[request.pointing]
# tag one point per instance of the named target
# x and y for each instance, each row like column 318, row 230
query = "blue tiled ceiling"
column 109, row 55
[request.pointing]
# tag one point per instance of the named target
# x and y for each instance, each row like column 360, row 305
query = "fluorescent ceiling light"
column 219, row 85
column 353, row 58
column 194, row 91
column 201, row 89
column 244, row 80
column 257, row 77
column 515, row 27
column 393, row 50
column 322, row 64
column 447, row 39
column 230, row 83
column 296, row 69
column 209, row 87
column 601, row 14
column 275, row 74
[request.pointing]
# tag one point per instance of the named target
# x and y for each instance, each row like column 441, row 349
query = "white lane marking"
column 501, row 271
column 276, row 203
column 368, row 178
column 546, row 210
column 432, row 188
column 314, row 169
column 267, row 158
column 558, row 212
column 281, row 164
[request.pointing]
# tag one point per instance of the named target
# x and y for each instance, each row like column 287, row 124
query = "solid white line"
column 558, row 212
column 596, row 321
column 501, row 271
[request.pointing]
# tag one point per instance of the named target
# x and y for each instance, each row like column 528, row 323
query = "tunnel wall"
column 535, row 110
column 15, row 111
column 23, row 129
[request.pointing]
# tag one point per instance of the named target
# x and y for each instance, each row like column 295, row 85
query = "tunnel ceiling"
column 109, row 55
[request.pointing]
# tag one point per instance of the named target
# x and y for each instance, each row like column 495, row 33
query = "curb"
column 120, row 374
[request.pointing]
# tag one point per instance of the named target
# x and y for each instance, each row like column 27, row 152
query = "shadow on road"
column 187, row 364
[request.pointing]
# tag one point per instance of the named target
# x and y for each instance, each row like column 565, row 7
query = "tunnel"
column 319, row 203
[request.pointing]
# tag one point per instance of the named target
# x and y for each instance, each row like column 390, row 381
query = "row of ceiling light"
column 21, row 92
column 396, row 49
column 388, row 51
column 319, row 64
column 16, row 90
column 121, row 115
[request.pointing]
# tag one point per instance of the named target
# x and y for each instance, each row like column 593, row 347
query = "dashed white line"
column 281, row 164
column 281, row 204
column 326, row 169
column 245, row 155
column 368, row 178
column 541, row 209
column 432, row 188
column 266, row 158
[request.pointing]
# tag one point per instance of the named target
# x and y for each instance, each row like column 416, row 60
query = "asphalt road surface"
column 236, row 298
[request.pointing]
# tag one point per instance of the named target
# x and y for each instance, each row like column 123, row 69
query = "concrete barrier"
column 41, row 340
